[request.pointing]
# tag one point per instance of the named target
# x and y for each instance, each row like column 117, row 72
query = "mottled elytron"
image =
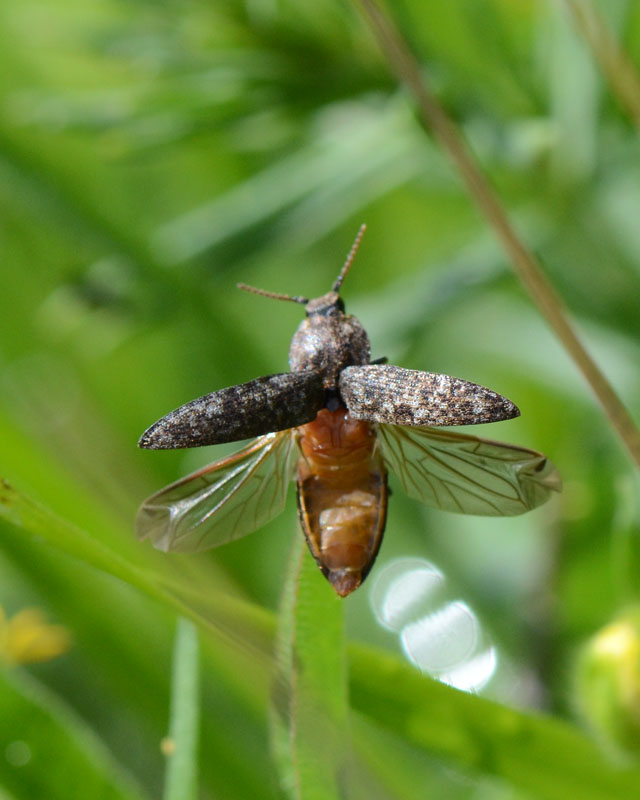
column 337, row 422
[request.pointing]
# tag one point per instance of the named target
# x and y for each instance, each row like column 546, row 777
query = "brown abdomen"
column 342, row 496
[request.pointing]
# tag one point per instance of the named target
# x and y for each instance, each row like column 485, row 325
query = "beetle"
column 337, row 422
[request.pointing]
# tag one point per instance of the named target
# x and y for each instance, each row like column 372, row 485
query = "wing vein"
column 467, row 474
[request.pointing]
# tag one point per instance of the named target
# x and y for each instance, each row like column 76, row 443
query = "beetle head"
column 328, row 305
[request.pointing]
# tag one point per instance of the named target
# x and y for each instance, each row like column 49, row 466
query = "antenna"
column 273, row 295
column 352, row 254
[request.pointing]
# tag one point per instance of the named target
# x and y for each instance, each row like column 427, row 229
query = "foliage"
column 151, row 156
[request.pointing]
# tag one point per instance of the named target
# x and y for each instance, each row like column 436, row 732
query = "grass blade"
column 47, row 748
column 614, row 62
column 182, row 760
column 547, row 757
column 225, row 615
column 309, row 704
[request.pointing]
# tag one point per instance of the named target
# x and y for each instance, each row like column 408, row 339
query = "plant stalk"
column 614, row 62
column 405, row 66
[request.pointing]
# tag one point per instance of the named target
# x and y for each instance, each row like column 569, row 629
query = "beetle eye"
column 340, row 304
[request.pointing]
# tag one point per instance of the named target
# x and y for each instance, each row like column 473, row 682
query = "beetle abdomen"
column 342, row 496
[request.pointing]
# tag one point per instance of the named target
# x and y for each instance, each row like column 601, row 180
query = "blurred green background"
column 152, row 154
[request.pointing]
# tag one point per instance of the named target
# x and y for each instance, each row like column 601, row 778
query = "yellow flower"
column 27, row 637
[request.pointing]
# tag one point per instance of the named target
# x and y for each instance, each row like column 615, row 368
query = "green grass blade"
column 547, row 757
column 309, row 703
column 24, row 513
column 467, row 731
column 231, row 617
column 48, row 751
column 182, row 765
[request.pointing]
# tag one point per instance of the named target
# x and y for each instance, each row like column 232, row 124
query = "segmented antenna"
column 352, row 254
column 273, row 295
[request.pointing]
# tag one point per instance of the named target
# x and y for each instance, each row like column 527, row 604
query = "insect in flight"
column 337, row 422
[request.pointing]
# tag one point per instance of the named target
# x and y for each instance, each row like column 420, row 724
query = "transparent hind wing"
column 223, row 501
column 467, row 474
